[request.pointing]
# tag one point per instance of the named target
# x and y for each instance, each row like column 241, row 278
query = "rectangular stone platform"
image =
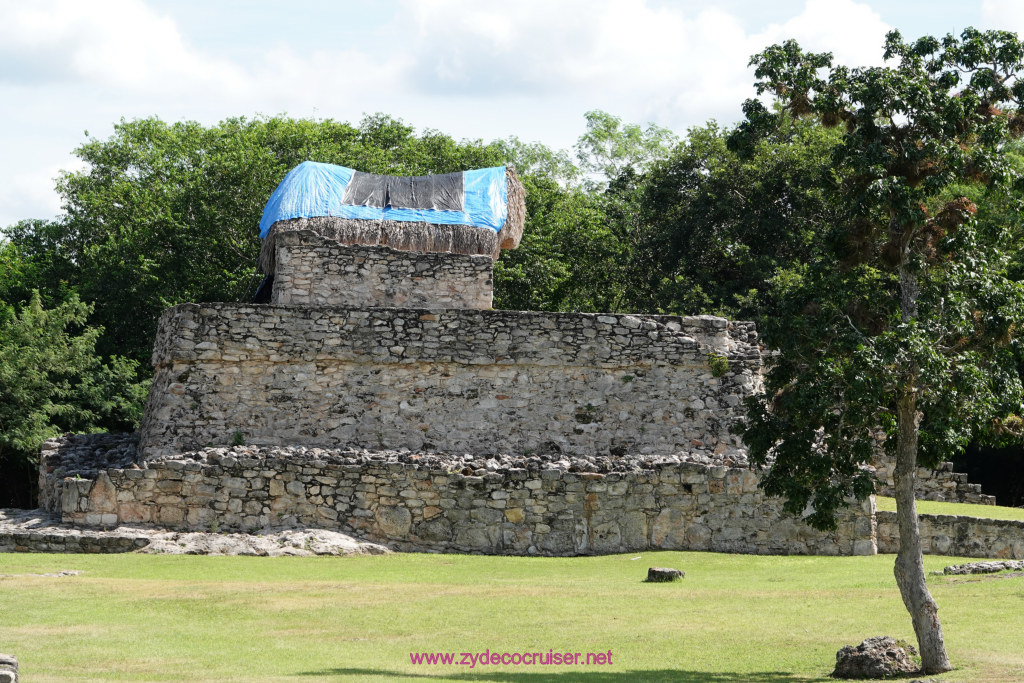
column 514, row 511
column 461, row 381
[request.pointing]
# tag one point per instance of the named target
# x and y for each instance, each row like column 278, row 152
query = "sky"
column 476, row 69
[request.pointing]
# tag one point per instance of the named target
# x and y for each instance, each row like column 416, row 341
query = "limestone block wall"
column 941, row 484
column 518, row 511
column 462, row 381
column 80, row 456
column 957, row 535
column 314, row 271
column 84, row 542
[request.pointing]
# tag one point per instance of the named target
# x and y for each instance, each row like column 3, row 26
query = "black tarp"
column 435, row 192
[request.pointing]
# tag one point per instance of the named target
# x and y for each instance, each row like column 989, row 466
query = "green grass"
column 930, row 507
column 733, row 618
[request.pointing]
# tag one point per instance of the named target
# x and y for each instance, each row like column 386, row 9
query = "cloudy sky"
column 470, row 68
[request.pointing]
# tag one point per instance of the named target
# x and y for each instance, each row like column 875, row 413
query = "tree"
column 610, row 148
column 570, row 259
column 52, row 381
column 717, row 220
column 905, row 324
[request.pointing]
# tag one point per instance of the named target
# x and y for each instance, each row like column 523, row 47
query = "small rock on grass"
column 8, row 669
column 878, row 657
column 664, row 574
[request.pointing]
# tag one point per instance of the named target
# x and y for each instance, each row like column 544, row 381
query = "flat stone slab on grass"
column 38, row 531
column 878, row 657
column 664, row 575
column 985, row 567
column 8, row 669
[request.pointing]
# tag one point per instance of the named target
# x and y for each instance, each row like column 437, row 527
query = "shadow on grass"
column 567, row 676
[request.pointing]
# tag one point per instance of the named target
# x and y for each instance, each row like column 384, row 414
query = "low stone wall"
column 80, row 456
column 957, row 536
column 37, row 531
column 72, row 543
column 314, row 271
column 941, row 484
column 395, row 500
column 465, row 381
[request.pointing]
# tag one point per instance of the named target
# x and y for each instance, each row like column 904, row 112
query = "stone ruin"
column 378, row 394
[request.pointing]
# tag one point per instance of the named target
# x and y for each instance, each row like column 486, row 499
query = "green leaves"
column 612, row 149
column 729, row 209
column 52, row 381
column 907, row 295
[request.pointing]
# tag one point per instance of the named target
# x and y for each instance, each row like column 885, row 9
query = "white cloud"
column 1007, row 15
column 539, row 47
column 629, row 56
column 119, row 43
column 852, row 31
column 296, row 82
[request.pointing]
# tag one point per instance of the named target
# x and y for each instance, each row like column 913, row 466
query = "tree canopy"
column 52, row 381
column 904, row 325
column 716, row 220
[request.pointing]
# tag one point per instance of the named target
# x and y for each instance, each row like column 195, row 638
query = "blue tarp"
column 313, row 189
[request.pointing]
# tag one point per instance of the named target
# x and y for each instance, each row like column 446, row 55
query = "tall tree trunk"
column 909, row 570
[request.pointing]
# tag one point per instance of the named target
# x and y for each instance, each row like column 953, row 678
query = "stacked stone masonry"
column 390, row 498
column 941, row 484
column 610, row 432
column 957, row 535
column 454, row 380
column 313, row 271
column 84, row 542
column 519, row 511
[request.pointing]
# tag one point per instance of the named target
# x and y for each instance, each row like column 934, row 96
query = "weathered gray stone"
column 984, row 567
column 957, row 535
column 664, row 575
column 394, row 522
column 940, row 484
column 418, row 501
column 435, row 530
column 584, row 433
column 669, row 529
column 103, row 495
column 36, row 531
column 313, row 271
column 479, row 381
column 878, row 657
column 8, row 669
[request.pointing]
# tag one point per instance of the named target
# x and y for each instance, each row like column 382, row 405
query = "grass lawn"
column 733, row 618
column 930, row 507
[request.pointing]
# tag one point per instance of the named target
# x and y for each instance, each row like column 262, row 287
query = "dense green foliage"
column 52, row 381
column 717, row 221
